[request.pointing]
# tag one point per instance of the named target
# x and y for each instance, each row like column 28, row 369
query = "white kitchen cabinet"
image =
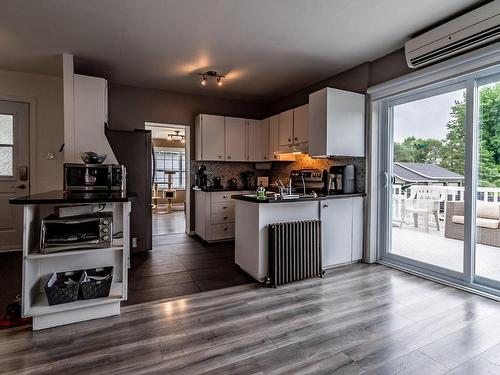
column 210, row 137
column 214, row 219
column 336, row 123
column 301, row 124
column 236, row 135
column 274, row 143
column 257, row 140
column 90, row 95
column 285, row 120
column 342, row 228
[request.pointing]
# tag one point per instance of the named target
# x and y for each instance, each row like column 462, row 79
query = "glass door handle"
column 386, row 180
column 22, row 187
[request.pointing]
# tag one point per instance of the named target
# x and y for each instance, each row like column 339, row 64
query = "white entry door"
column 14, row 170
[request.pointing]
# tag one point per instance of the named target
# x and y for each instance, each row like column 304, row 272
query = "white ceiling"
column 267, row 48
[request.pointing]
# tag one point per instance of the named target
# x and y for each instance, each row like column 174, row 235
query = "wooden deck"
column 359, row 319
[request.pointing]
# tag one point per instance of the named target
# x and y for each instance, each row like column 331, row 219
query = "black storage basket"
column 60, row 292
column 96, row 288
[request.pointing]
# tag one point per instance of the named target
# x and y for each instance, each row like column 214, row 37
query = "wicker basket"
column 96, row 288
column 58, row 291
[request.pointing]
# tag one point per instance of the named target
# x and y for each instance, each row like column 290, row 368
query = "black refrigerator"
column 134, row 149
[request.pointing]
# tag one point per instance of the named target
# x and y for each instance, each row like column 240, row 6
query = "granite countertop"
column 302, row 199
column 59, row 196
column 209, row 190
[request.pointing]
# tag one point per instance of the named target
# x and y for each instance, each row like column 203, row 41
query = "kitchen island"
column 38, row 266
column 342, row 227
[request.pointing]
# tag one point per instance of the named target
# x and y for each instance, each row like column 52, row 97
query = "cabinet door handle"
column 265, row 157
column 225, row 228
column 225, row 195
column 325, row 205
column 220, row 156
column 224, row 207
column 225, row 217
column 289, row 139
column 229, row 157
column 296, row 138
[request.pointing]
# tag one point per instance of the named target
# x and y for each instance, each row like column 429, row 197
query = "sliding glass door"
column 487, row 234
column 427, row 169
column 441, row 180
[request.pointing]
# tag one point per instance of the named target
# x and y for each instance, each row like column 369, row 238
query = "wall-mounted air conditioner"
column 471, row 30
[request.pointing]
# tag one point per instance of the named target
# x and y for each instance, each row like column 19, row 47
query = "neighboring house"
column 425, row 174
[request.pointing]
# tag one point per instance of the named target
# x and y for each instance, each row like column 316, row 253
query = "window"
column 170, row 160
column 6, row 145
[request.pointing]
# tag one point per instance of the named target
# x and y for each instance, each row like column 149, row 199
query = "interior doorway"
column 170, row 187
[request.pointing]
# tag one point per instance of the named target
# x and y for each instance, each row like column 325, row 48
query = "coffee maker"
column 200, row 177
column 342, row 179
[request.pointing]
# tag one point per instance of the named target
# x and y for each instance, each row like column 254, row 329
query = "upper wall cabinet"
column 274, row 142
column 285, row 120
column 86, row 132
column 336, row 123
column 258, row 140
column 301, row 124
column 210, row 137
column 236, row 135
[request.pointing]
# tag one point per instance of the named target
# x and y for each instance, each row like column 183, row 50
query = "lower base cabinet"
column 214, row 219
column 342, row 228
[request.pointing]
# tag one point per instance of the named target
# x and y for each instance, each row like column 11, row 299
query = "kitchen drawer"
column 222, row 231
column 222, row 196
column 222, row 208
column 227, row 217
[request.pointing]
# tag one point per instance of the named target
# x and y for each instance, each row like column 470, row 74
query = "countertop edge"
column 308, row 199
column 60, row 197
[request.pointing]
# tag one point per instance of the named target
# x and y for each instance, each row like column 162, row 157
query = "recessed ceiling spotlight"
column 212, row 74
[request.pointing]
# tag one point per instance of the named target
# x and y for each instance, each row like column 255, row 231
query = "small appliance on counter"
column 247, row 180
column 232, row 184
column 342, row 179
column 310, row 180
column 200, row 177
column 76, row 232
column 94, row 177
column 216, row 183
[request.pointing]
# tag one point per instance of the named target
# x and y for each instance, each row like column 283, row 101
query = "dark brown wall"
column 357, row 79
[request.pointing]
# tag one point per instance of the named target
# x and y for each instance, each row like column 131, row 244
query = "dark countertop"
column 59, row 196
column 209, row 190
column 305, row 199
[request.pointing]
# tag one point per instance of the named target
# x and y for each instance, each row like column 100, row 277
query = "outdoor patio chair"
column 425, row 201
column 487, row 222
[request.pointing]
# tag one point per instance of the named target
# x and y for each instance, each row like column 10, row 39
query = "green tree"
column 419, row 150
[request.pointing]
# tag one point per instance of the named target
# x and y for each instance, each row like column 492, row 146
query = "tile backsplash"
column 227, row 170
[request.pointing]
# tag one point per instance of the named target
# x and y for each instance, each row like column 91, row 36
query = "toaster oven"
column 77, row 232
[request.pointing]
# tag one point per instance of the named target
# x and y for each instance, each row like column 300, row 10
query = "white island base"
column 341, row 220
column 251, row 230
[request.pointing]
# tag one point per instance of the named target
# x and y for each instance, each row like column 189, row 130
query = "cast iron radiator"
column 294, row 251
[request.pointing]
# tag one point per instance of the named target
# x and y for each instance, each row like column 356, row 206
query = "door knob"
column 22, row 186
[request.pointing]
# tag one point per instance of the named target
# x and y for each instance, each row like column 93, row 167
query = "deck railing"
column 448, row 193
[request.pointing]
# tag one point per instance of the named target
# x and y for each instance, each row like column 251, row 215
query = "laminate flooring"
column 172, row 223
column 180, row 265
column 358, row 319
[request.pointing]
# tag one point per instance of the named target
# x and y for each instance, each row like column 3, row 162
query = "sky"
column 425, row 118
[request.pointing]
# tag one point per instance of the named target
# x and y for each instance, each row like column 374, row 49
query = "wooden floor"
column 180, row 265
column 359, row 319
column 172, row 223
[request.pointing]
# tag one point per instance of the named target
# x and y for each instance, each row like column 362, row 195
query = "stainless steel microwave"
column 76, row 232
column 94, row 177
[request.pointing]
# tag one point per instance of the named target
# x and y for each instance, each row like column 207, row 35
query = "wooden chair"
column 425, row 201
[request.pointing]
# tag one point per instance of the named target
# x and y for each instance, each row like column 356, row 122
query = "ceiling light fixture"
column 176, row 136
column 212, row 74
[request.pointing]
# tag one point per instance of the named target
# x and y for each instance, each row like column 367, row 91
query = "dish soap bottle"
column 261, row 192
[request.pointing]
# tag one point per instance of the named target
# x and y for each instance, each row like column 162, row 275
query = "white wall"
column 45, row 95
